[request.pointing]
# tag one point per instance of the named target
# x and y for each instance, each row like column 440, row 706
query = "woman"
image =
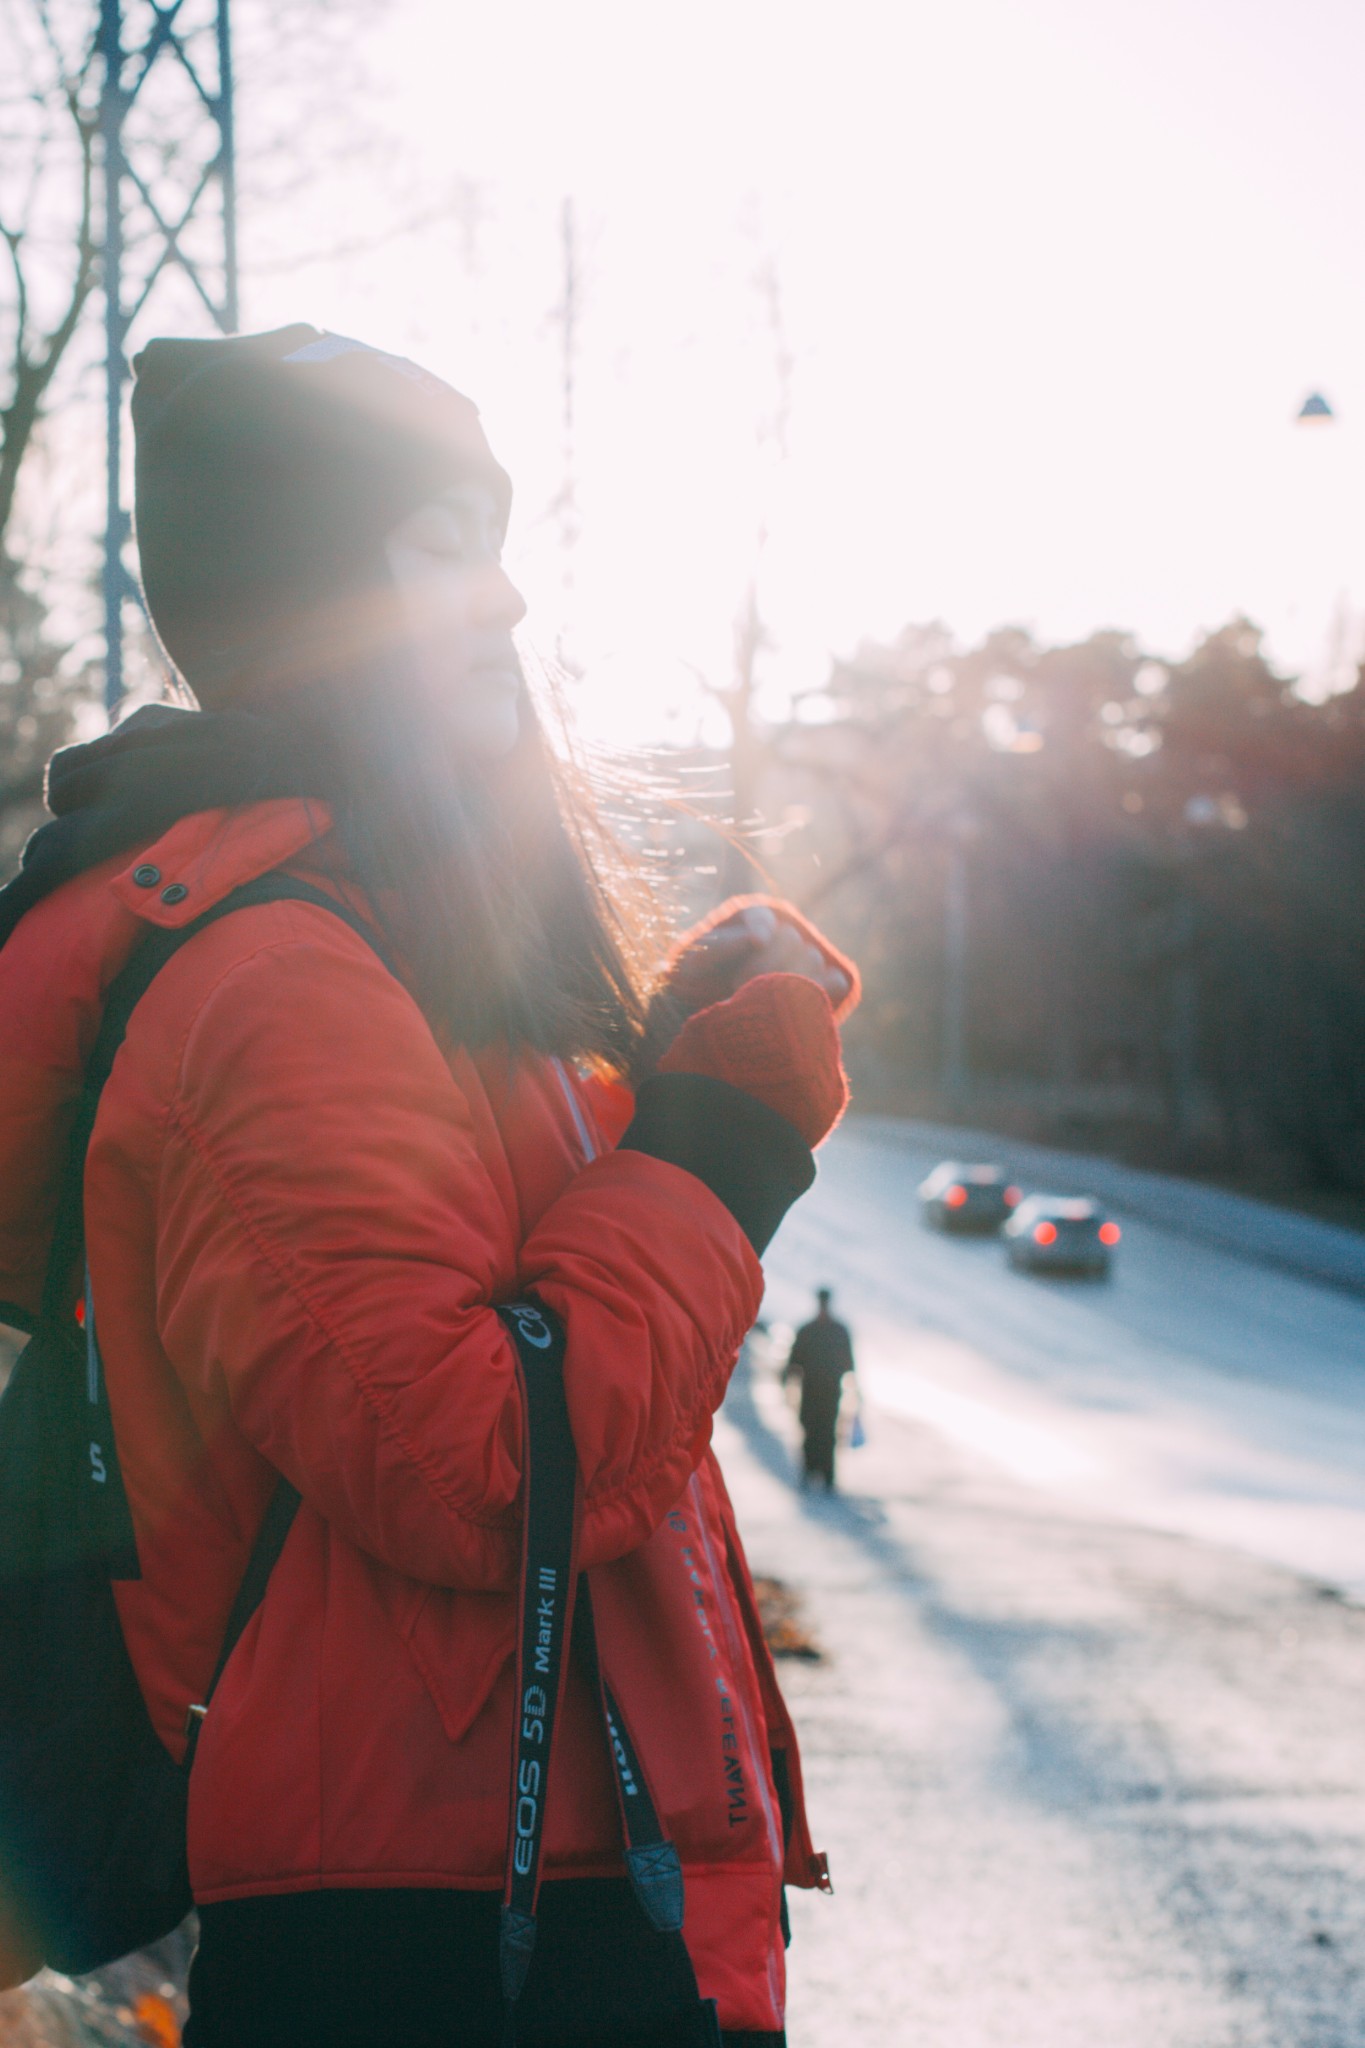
column 324, row 1158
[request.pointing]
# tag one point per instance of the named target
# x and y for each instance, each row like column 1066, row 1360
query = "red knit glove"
column 775, row 1038
column 693, row 979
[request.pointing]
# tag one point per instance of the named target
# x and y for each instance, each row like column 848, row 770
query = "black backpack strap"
column 128, row 988
column 265, row 1551
column 125, row 993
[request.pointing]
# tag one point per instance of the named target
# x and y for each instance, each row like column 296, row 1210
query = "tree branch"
column 12, row 238
column 33, row 373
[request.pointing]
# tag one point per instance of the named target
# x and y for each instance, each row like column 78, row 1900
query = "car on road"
column 1061, row 1234
column 958, row 1197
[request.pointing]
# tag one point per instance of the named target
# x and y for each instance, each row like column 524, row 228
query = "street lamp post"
column 962, row 830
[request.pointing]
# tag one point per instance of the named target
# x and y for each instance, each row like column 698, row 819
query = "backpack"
column 92, row 1807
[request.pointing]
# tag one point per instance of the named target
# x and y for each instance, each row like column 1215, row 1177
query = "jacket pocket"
column 460, row 1643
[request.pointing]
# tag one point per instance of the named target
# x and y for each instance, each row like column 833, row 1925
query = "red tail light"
column 1045, row 1233
column 80, row 1310
column 1110, row 1233
column 1013, row 1196
column 954, row 1196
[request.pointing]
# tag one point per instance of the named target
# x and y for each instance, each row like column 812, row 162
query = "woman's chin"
column 481, row 718
column 487, row 732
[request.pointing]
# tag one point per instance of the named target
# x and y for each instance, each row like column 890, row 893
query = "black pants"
column 820, row 1422
column 418, row 1969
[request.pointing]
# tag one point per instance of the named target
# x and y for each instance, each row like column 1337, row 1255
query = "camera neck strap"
column 555, row 1613
column 551, row 1511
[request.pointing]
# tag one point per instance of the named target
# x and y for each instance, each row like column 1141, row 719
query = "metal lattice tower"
column 170, row 223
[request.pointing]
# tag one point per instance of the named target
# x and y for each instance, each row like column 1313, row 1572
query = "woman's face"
column 460, row 607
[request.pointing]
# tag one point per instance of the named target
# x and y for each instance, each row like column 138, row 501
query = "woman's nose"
column 497, row 601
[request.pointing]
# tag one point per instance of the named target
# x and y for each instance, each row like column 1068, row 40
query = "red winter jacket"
column 299, row 1212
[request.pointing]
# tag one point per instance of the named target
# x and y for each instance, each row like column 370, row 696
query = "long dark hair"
column 519, row 914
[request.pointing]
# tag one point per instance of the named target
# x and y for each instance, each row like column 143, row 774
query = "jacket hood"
column 131, row 785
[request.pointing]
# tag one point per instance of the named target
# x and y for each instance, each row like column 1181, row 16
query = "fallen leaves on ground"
column 156, row 2018
column 784, row 1631
column 136, row 2003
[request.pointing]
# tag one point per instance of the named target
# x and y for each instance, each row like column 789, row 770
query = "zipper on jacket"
column 585, row 1136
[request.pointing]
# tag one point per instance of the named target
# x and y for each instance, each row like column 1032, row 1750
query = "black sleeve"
column 750, row 1157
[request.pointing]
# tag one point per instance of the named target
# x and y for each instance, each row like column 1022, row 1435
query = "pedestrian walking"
column 404, row 1116
column 821, row 1354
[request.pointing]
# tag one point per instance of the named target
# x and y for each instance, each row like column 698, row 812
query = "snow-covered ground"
column 1201, row 1390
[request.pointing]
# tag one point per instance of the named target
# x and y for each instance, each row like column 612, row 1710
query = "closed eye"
column 460, row 542
column 462, row 530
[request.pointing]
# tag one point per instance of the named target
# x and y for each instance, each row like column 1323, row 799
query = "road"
column 1197, row 1390
column 1087, row 1744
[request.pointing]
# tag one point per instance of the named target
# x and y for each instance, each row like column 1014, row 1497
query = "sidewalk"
column 1082, row 1785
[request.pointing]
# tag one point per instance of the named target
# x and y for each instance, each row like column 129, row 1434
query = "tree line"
column 1098, row 897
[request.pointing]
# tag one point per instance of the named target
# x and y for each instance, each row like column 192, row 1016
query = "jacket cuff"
column 752, row 1159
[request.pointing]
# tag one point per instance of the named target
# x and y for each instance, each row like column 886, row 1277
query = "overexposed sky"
column 1050, row 285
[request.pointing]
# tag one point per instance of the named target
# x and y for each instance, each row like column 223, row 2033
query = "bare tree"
column 49, row 120
column 300, row 70
column 48, row 129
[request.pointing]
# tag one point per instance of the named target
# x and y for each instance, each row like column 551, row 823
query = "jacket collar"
column 206, row 855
